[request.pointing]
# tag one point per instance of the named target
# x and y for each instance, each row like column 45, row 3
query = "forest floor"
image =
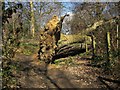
column 69, row 72
column 35, row 74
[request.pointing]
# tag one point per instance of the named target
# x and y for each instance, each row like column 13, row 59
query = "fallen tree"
column 70, row 44
column 75, row 43
column 70, row 50
column 84, row 36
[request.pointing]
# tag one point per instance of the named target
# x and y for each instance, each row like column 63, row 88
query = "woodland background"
column 22, row 23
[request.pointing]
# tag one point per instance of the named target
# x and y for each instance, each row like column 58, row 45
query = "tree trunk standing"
column 32, row 19
column 93, row 47
column 108, row 48
column 118, row 42
column 117, row 38
column 86, row 46
column 1, row 33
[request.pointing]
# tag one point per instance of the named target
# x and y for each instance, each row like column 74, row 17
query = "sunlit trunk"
column 32, row 19
column 108, row 48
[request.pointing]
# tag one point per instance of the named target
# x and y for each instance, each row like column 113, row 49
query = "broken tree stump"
column 49, row 38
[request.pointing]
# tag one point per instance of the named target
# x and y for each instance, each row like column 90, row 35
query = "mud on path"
column 35, row 74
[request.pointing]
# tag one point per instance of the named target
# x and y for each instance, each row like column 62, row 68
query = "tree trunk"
column 79, row 37
column 86, row 46
column 70, row 50
column 32, row 19
column 117, row 42
column 93, row 47
column 117, row 38
column 71, row 44
column 108, row 48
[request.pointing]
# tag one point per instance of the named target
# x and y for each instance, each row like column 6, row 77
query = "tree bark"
column 86, row 45
column 70, row 50
column 118, row 42
column 32, row 19
column 108, row 48
column 93, row 47
column 117, row 38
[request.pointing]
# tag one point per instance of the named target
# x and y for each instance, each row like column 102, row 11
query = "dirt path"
column 34, row 74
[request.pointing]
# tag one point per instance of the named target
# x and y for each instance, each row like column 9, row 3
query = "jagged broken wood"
column 49, row 37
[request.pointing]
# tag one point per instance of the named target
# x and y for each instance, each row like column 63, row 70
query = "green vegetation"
column 28, row 48
column 93, row 39
column 67, row 61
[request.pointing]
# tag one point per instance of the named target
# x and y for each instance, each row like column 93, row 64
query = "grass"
column 28, row 48
column 64, row 61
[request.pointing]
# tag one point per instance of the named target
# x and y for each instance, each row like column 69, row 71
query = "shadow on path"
column 34, row 74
